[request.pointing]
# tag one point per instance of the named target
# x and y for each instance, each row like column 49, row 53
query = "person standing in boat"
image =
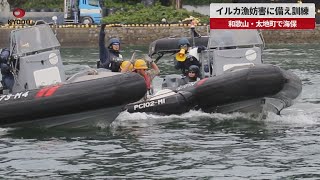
column 110, row 57
column 183, row 59
column 140, row 67
column 7, row 76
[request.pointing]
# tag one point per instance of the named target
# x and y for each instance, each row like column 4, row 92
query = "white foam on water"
column 300, row 54
column 126, row 116
column 5, row 131
column 299, row 115
column 143, row 119
column 272, row 50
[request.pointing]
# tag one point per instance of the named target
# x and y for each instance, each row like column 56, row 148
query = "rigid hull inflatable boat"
column 42, row 96
column 234, row 79
column 257, row 89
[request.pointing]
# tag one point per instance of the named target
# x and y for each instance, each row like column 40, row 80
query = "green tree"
column 204, row 2
column 27, row 4
column 139, row 14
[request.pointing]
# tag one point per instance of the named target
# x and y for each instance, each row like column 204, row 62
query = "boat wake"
column 191, row 115
column 143, row 119
column 303, row 114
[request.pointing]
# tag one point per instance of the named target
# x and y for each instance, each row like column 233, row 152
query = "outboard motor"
column 36, row 58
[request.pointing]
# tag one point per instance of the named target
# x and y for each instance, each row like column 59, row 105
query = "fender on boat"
column 258, row 81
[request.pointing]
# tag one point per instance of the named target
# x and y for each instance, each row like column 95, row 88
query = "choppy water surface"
column 195, row 145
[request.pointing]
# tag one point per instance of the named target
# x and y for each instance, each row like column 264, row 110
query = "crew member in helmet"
column 124, row 64
column 110, row 57
column 7, row 76
column 186, row 61
column 193, row 74
column 140, row 66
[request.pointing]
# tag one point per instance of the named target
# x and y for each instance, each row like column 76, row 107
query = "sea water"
column 194, row 145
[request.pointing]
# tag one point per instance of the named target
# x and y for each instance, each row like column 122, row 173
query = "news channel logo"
column 18, row 13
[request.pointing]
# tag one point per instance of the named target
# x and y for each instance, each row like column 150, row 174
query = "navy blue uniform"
column 190, row 60
column 109, row 58
column 184, row 66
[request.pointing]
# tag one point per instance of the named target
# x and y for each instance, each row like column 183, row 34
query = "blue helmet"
column 194, row 68
column 114, row 41
column 183, row 41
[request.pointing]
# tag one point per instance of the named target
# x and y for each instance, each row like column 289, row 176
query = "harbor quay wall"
column 88, row 36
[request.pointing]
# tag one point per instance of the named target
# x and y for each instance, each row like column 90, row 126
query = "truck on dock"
column 83, row 11
column 74, row 12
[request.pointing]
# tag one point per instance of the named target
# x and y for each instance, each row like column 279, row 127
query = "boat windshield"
column 227, row 38
column 34, row 38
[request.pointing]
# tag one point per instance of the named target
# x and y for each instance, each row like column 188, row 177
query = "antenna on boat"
column 192, row 32
column 54, row 18
column 261, row 36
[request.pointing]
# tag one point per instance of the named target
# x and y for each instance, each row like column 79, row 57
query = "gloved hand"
column 148, row 58
column 132, row 60
column 201, row 48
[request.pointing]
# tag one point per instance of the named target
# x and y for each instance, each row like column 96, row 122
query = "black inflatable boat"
column 106, row 94
column 42, row 96
column 234, row 78
column 251, row 90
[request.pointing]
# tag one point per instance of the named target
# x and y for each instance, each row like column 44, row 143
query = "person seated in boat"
column 140, row 67
column 7, row 76
column 110, row 57
column 193, row 74
column 183, row 59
